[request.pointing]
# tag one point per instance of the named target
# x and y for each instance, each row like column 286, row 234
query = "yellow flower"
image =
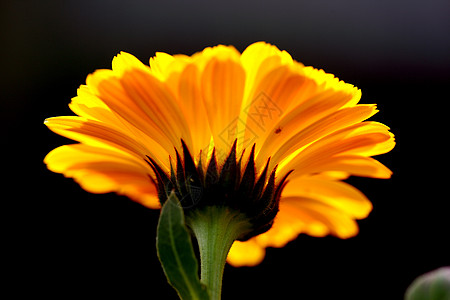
column 259, row 110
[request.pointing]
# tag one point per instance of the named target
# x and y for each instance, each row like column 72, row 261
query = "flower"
column 256, row 125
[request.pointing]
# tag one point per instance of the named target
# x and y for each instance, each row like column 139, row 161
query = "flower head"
column 257, row 132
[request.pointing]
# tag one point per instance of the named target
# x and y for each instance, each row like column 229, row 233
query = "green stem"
column 216, row 228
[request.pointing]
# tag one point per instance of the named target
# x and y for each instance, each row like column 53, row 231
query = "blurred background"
column 63, row 241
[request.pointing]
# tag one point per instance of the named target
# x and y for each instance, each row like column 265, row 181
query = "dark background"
column 63, row 241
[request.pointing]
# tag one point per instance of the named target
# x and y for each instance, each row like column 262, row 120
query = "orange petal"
column 302, row 215
column 317, row 216
column 270, row 100
column 358, row 139
column 335, row 220
column 133, row 92
column 101, row 171
column 158, row 104
column 98, row 134
column 314, row 119
column 192, row 105
column 222, row 85
column 109, row 89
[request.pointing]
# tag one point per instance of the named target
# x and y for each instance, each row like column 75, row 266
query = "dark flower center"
column 255, row 196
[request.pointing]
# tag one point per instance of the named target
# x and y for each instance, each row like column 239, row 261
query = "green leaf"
column 176, row 254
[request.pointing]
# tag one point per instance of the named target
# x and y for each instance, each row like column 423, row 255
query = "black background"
column 63, row 241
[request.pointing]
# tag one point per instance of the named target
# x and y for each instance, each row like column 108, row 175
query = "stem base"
column 216, row 228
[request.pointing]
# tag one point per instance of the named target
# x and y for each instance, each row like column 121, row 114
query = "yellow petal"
column 164, row 66
column 287, row 227
column 248, row 254
column 346, row 164
column 289, row 223
column 296, row 215
column 87, row 105
column 311, row 217
column 329, row 81
column 160, row 64
column 124, row 62
column 94, row 133
column 168, row 68
column 333, row 193
column 258, row 60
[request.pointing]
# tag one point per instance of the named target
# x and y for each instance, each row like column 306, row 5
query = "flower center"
column 240, row 189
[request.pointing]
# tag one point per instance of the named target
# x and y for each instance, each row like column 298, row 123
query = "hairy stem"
column 216, row 228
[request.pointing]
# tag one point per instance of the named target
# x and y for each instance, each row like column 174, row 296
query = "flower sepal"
column 226, row 185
